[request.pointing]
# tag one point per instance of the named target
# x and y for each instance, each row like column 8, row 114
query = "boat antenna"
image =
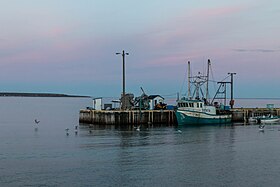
column 189, row 79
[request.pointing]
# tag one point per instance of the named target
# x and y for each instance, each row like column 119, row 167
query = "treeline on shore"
column 16, row 94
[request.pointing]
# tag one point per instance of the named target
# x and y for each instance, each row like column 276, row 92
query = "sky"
column 70, row 46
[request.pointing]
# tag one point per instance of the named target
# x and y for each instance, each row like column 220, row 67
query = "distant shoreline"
column 13, row 94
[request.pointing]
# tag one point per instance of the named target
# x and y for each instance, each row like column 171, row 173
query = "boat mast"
column 207, row 80
column 189, row 80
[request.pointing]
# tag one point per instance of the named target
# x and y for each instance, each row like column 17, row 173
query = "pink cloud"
column 167, row 60
column 57, row 31
column 217, row 11
column 193, row 35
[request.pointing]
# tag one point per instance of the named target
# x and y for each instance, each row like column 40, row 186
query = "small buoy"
column 76, row 132
column 90, row 131
column 76, row 127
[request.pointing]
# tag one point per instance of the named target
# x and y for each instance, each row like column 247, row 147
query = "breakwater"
column 127, row 117
column 163, row 117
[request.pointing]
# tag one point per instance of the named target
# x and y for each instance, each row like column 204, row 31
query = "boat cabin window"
column 197, row 105
column 183, row 104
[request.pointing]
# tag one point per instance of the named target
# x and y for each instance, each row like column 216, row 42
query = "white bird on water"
column 261, row 127
column 76, row 129
column 36, row 124
column 67, row 133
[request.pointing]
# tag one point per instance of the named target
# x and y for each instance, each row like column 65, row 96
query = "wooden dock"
column 127, row 117
column 243, row 114
column 160, row 117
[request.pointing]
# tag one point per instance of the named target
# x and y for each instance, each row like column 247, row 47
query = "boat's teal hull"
column 183, row 119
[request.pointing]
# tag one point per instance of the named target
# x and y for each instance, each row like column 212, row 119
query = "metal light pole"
column 231, row 90
column 123, row 57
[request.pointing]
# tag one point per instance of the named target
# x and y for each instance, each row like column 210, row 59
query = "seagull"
column 67, row 133
column 261, row 127
column 179, row 131
column 36, row 124
column 76, row 129
column 138, row 128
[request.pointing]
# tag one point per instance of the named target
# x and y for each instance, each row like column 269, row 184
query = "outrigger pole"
column 189, row 80
column 207, row 80
column 231, row 87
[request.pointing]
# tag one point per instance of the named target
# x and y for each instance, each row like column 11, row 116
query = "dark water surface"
column 109, row 156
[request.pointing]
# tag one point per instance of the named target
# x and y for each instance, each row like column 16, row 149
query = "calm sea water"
column 232, row 155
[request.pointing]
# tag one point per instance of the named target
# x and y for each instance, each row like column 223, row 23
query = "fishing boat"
column 268, row 119
column 196, row 110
